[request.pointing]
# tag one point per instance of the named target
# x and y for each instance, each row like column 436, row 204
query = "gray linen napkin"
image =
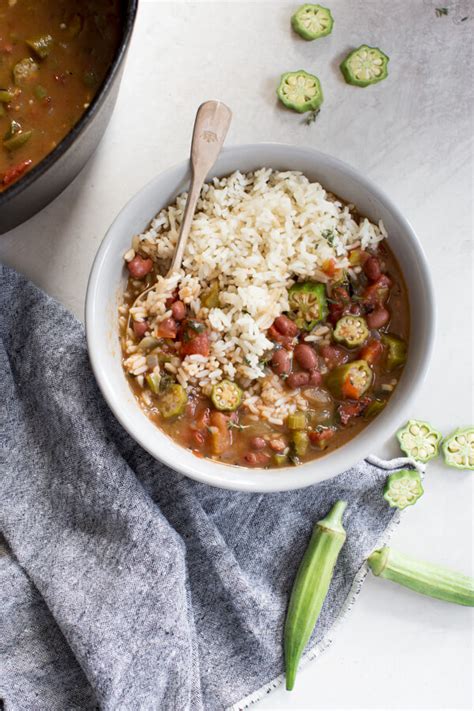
column 123, row 585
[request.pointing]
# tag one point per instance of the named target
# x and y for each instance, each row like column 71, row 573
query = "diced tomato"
column 378, row 292
column 371, row 352
column 329, row 267
column 197, row 438
column 349, row 390
column 339, row 304
column 202, row 419
column 168, row 328
column 221, row 435
column 320, row 438
column 333, row 356
column 197, row 345
column 13, row 173
column 348, row 410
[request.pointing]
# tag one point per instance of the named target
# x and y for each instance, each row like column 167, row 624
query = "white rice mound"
column 256, row 233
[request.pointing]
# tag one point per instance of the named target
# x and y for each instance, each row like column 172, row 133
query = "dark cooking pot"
column 47, row 179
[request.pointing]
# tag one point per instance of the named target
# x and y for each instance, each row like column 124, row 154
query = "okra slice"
column 396, row 351
column 173, row 401
column 403, row 488
column 41, row 45
column 351, row 331
column 24, row 71
column 458, row 449
column 419, row 440
column 300, row 91
column 312, row 21
column 17, row 140
column 226, row 396
column 350, row 381
column 307, row 300
column 365, row 66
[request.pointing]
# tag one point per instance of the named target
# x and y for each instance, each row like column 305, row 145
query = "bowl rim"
column 217, row 474
column 50, row 158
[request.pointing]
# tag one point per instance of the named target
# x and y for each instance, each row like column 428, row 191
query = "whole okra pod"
column 425, row 578
column 311, row 586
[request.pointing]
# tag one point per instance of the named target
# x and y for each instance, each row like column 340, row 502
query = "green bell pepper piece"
column 396, row 351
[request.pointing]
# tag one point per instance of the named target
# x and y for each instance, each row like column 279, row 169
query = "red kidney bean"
column 378, row 318
column 257, row 443
column 281, row 362
column 285, row 326
column 355, row 309
column 333, row 356
column 372, row 269
column 297, row 380
column 315, row 378
column 278, row 445
column 178, row 309
column 140, row 328
column 170, row 300
column 255, row 458
column 306, row 356
column 139, row 267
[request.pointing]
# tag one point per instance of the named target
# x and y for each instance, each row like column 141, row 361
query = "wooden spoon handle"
column 210, row 129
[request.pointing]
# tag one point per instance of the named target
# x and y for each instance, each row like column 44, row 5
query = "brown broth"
column 85, row 36
column 183, row 429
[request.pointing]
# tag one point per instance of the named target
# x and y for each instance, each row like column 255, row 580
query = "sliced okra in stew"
column 300, row 91
column 173, row 401
column 419, row 440
column 403, row 488
column 17, row 140
column 24, row 71
column 226, row 396
column 308, row 302
column 351, row 331
column 312, row 21
column 6, row 96
column 396, row 351
column 365, row 66
column 41, row 45
column 458, row 449
column 350, row 381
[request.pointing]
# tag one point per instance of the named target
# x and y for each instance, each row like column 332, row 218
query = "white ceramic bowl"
column 108, row 278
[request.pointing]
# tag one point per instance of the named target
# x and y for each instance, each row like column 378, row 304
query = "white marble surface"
column 411, row 134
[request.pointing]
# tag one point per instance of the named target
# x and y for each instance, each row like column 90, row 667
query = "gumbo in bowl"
column 284, row 335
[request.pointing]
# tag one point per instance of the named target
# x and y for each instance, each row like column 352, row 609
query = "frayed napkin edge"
column 352, row 595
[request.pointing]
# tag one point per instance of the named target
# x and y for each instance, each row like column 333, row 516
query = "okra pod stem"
column 311, row 586
column 425, row 578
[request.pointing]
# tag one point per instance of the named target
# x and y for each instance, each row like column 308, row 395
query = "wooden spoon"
column 210, row 129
